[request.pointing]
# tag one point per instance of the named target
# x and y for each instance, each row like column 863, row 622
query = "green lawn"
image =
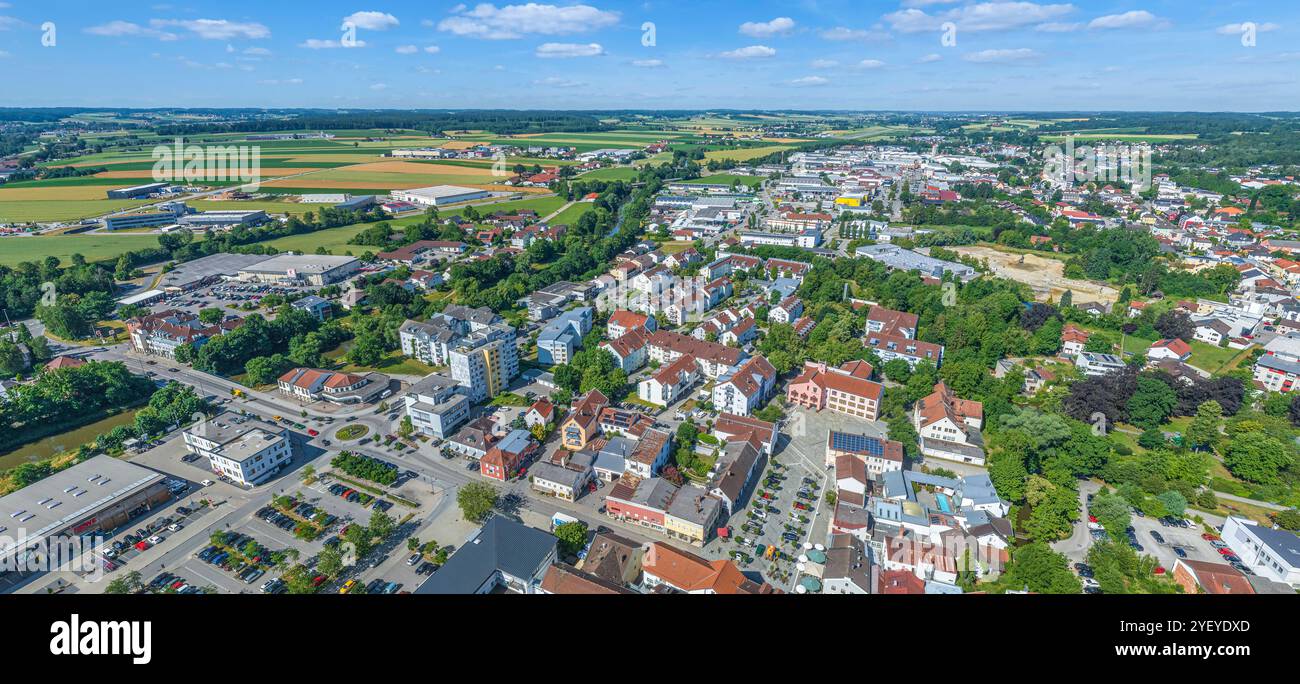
column 1210, row 358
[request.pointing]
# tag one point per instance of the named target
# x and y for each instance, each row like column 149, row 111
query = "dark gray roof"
column 502, row 545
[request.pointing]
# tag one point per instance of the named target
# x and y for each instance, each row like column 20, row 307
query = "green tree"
column 1152, row 403
column 211, row 315
column 476, row 501
column 1257, row 457
column 1203, row 431
column 572, row 535
column 1036, row 567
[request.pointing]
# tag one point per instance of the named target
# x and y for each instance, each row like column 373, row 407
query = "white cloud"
column 557, row 82
column 371, row 21
column 1134, row 19
column 870, row 64
column 824, row 63
column 515, row 21
column 984, row 16
column 1058, row 27
column 807, row 81
column 432, row 49
column 3, row 54
column 648, row 63
column 767, row 29
column 1002, row 56
column 276, row 81
column 1236, row 29
column 318, row 44
column 257, row 51
column 406, row 49
column 932, row 57
column 379, row 86
column 926, row 3
column 216, row 29
column 125, row 28
column 751, row 52
column 843, row 33
column 566, row 50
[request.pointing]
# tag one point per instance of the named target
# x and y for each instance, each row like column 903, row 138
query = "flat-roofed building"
column 439, row 195
column 312, row 269
column 245, row 450
column 437, row 405
column 95, row 496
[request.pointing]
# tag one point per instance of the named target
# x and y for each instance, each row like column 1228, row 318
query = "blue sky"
column 793, row 54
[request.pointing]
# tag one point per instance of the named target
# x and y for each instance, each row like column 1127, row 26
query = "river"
column 49, row 446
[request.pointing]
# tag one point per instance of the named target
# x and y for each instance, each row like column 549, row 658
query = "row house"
column 714, row 359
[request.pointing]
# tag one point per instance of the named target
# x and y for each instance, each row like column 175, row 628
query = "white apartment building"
column 245, row 450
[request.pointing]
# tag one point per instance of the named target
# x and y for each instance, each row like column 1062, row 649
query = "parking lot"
column 232, row 297
column 1188, row 539
column 781, row 512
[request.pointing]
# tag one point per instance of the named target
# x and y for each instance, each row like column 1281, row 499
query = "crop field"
column 17, row 249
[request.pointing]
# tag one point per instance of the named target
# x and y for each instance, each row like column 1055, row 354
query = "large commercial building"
column 92, row 497
column 245, row 450
column 439, row 195
column 224, row 219
column 164, row 214
column 136, row 191
column 312, row 269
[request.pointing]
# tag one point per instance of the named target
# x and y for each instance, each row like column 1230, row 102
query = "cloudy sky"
column 791, row 54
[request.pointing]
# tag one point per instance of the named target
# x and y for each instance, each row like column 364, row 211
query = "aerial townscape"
column 805, row 345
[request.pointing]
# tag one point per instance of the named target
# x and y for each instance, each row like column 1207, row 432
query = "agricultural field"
column 747, row 153
column 17, row 249
column 45, row 210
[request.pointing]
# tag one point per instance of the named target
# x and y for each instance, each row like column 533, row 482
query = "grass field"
column 571, row 215
column 747, row 153
column 23, row 211
column 625, row 173
column 727, row 179
column 14, row 250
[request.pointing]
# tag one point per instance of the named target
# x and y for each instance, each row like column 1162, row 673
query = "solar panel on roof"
column 844, row 441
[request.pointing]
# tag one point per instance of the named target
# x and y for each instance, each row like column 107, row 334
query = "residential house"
column 949, row 427
column 743, row 391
